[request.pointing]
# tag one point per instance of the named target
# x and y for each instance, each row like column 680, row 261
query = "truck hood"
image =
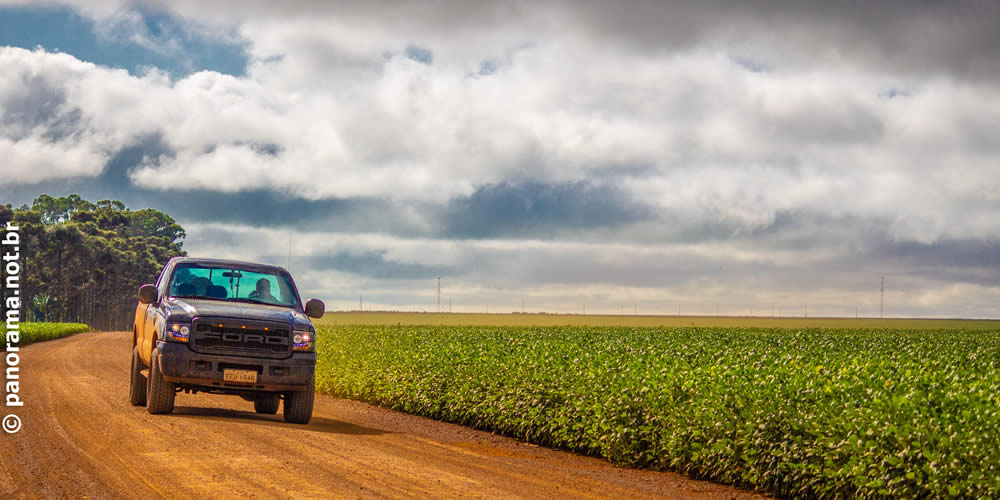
column 188, row 309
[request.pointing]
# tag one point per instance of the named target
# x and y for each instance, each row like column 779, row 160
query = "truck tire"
column 160, row 394
column 299, row 404
column 136, row 381
column 266, row 403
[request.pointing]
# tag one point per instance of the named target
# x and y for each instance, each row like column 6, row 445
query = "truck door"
column 138, row 324
column 149, row 329
column 146, row 323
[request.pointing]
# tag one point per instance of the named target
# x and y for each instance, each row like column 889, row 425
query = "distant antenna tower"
column 881, row 307
column 439, row 294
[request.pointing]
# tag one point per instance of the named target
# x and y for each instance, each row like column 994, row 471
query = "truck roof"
column 226, row 262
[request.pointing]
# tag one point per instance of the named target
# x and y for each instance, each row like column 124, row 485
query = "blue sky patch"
column 893, row 93
column 749, row 64
column 420, row 54
column 61, row 29
column 487, row 67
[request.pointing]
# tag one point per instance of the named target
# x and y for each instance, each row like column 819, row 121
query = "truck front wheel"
column 136, row 382
column 160, row 394
column 299, row 404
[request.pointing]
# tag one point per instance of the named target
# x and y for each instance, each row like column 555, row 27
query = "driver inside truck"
column 263, row 291
column 201, row 285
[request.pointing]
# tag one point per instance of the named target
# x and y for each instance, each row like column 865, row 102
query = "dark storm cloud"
column 955, row 253
column 258, row 207
column 495, row 210
column 512, row 268
column 798, row 230
column 864, row 245
column 855, row 266
column 957, row 37
column 38, row 104
column 974, row 261
column 535, row 209
column 373, row 264
column 798, row 248
column 807, row 230
column 854, row 247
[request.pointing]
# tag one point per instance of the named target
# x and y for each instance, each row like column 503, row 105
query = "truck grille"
column 241, row 338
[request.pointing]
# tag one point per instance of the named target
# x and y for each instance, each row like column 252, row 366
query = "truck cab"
column 224, row 327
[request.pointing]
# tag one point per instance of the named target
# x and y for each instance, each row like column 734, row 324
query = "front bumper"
column 182, row 365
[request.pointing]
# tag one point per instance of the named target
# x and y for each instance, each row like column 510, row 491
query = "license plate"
column 240, row 376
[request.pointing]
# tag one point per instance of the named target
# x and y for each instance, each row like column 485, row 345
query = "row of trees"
column 83, row 262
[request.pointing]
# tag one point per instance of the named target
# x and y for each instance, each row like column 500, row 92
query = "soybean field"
column 37, row 332
column 666, row 321
column 791, row 411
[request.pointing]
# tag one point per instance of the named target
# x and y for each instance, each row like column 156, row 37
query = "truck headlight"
column 303, row 340
column 178, row 332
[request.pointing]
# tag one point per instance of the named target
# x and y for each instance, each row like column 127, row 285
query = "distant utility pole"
column 855, row 310
column 361, row 302
column 449, row 305
column 522, row 305
column 635, row 309
column 881, row 307
column 439, row 294
column 805, row 311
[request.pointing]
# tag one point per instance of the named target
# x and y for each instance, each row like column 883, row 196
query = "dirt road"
column 81, row 439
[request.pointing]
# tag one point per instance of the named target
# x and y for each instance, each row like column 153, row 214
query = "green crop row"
column 812, row 413
column 37, row 332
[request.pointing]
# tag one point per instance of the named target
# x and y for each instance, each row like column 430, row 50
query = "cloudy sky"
column 771, row 158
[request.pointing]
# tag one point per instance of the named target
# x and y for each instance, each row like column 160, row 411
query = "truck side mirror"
column 147, row 294
column 315, row 308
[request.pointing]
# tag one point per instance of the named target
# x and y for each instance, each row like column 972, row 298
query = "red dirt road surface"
column 82, row 439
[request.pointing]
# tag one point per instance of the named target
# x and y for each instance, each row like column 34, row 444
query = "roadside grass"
column 798, row 413
column 535, row 319
column 38, row 332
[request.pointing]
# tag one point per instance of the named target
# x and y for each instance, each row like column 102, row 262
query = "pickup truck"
column 224, row 327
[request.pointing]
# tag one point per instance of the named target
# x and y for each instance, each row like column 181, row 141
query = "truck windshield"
column 231, row 284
